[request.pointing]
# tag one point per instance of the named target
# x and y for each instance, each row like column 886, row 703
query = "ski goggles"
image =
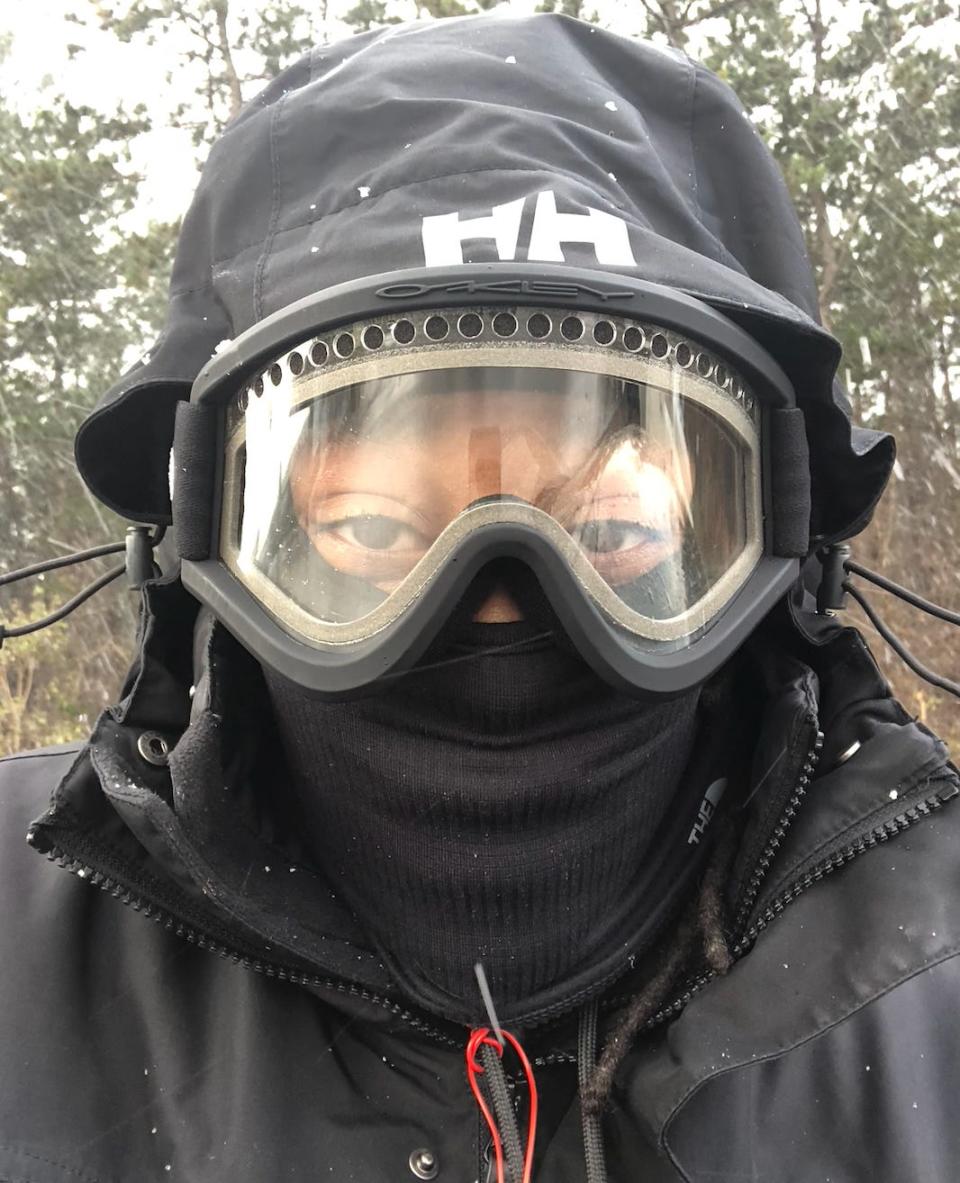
column 370, row 460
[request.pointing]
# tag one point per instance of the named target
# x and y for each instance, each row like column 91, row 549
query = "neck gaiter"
column 495, row 804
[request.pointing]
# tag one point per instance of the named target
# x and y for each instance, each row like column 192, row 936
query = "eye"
column 608, row 535
column 375, row 532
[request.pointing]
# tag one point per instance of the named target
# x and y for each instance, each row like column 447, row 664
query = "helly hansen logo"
column 708, row 807
column 445, row 234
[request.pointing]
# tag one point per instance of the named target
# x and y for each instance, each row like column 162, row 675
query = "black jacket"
column 172, row 1009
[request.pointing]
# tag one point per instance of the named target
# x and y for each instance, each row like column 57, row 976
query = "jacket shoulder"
column 864, row 1098
column 62, row 750
column 27, row 780
column 835, row 1034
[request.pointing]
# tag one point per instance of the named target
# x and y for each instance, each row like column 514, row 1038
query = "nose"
column 498, row 608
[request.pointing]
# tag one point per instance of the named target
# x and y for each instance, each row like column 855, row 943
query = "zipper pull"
column 489, row 1165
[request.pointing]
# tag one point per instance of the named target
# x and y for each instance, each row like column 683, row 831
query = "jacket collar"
column 223, row 868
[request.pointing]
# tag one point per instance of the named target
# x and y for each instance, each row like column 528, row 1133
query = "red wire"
column 473, row 1067
column 482, row 1036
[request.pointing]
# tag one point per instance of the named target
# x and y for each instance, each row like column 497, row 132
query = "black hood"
column 328, row 174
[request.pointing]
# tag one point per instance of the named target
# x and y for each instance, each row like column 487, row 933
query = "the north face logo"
column 445, row 234
column 708, row 807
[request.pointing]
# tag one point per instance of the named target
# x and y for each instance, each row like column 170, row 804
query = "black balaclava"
column 496, row 804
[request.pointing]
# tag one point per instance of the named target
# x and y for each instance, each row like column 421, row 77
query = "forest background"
column 107, row 109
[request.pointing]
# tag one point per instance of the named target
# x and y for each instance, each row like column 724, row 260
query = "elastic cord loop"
column 80, row 556
column 81, row 597
column 900, row 649
column 896, row 589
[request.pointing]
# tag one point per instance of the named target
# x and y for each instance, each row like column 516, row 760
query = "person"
column 504, row 805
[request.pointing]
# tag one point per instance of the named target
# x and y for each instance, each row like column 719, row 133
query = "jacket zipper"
column 882, row 833
column 694, row 985
column 890, row 829
column 195, row 936
column 779, row 833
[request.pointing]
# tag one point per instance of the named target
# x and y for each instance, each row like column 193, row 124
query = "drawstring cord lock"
column 835, row 587
column 139, row 565
column 831, row 594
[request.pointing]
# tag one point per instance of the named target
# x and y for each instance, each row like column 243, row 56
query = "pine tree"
column 862, row 117
column 225, row 54
column 74, row 295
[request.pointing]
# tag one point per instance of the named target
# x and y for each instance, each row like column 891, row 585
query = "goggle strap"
column 194, row 472
column 789, row 483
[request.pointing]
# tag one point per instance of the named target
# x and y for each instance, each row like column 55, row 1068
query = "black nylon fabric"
column 886, row 1060
column 329, row 173
column 497, row 805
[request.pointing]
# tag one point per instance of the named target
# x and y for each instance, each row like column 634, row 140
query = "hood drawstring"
column 701, row 925
column 514, row 1164
column 489, row 1042
column 503, row 1111
column 586, row 1064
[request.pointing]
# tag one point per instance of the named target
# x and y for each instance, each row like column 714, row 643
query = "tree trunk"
column 221, row 8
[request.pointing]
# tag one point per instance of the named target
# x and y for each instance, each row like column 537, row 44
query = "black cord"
column 899, row 648
column 496, row 1082
column 897, row 590
column 81, row 556
column 590, row 1122
column 473, row 655
column 81, row 597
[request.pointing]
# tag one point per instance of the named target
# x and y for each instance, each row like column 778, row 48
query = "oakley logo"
column 513, row 287
column 444, row 234
column 708, row 807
